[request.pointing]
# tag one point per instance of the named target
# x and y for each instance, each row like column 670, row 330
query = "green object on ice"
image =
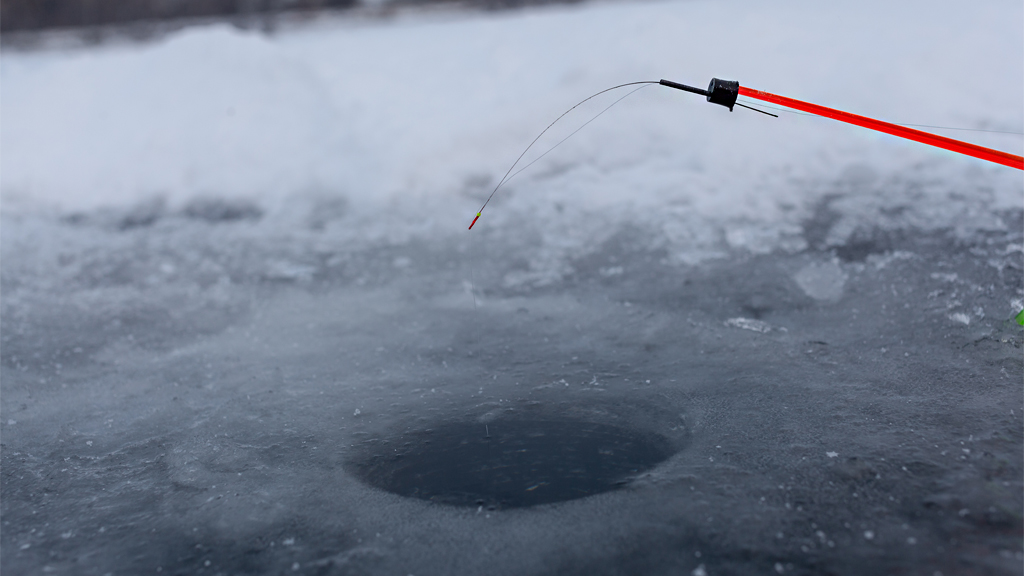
column 1020, row 318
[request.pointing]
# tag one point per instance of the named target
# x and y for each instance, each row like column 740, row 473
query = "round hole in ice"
column 510, row 463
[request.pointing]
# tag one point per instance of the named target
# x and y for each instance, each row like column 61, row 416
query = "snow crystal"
column 961, row 318
column 880, row 261
column 749, row 324
column 611, row 271
column 1016, row 305
column 822, row 281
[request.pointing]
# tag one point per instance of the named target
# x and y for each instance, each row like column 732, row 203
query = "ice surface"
column 234, row 263
column 821, row 280
column 749, row 324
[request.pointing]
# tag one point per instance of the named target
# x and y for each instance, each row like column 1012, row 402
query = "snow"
column 821, row 280
column 230, row 261
column 961, row 318
column 416, row 117
column 749, row 324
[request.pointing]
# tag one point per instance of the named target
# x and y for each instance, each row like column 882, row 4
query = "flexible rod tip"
column 683, row 87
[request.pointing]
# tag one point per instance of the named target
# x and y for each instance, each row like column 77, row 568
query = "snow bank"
column 412, row 120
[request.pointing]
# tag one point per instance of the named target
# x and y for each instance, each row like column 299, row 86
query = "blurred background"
column 34, row 15
column 23, row 15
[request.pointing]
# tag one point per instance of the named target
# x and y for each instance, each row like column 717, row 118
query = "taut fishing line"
column 510, row 175
column 725, row 93
column 596, row 116
column 506, row 177
column 788, row 111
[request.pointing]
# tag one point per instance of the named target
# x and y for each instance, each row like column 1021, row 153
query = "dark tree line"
column 42, row 14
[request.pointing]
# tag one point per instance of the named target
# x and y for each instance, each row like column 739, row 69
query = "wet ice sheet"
column 869, row 434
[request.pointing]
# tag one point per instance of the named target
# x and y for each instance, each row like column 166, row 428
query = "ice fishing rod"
column 725, row 93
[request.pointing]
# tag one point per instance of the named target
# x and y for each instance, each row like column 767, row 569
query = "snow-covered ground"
column 422, row 113
column 235, row 265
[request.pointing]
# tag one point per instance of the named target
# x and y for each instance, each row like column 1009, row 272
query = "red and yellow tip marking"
column 474, row 220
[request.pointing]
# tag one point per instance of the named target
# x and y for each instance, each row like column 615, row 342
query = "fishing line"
column 505, row 177
column 757, row 110
column 788, row 111
column 472, row 271
column 631, row 92
column 726, row 92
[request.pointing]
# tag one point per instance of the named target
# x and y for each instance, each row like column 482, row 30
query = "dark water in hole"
column 512, row 464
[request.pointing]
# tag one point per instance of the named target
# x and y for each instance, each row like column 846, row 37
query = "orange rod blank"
column 981, row 152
